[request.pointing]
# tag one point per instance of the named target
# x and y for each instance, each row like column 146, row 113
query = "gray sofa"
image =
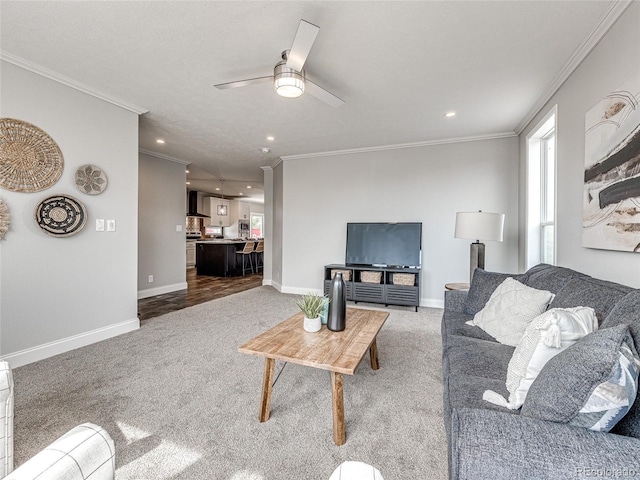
column 490, row 441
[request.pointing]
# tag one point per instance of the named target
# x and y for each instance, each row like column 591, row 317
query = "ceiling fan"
column 289, row 78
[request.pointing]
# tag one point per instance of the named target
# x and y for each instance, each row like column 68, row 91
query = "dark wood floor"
column 201, row 288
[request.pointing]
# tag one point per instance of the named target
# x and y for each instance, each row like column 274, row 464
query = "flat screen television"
column 384, row 244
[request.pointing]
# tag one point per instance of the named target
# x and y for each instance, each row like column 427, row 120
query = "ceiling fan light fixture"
column 288, row 82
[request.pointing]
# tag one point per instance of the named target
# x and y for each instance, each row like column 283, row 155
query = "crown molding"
column 163, row 157
column 606, row 22
column 383, row 148
column 50, row 74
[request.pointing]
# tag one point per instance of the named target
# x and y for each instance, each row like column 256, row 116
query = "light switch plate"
column 111, row 225
column 99, row 224
column 178, row 228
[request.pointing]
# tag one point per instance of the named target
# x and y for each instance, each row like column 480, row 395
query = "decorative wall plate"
column 4, row 219
column 30, row 160
column 90, row 179
column 61, row 215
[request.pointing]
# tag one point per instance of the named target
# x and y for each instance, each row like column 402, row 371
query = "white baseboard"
column 40, row 352
column 432, row 303
column 273, row 284
column 300, row 291
column 152, row 292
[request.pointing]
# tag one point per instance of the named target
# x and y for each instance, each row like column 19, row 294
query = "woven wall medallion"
column 61, row 215
column 4, row 219
column 30, row 160
column 90, row 179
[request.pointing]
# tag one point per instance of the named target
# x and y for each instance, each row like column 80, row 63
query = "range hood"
column 192, row 210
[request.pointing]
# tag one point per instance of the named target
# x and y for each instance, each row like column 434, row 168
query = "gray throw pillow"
column 627, row 311
column 591, row 384
column 482, row 286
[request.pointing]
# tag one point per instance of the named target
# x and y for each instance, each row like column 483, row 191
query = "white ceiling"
column 398, row 65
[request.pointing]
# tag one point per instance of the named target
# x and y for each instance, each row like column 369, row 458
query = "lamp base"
column 476, row 258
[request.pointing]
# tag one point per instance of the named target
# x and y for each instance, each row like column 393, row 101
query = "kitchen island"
column 218, row 257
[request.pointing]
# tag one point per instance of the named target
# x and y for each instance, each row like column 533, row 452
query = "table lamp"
column 479, row 226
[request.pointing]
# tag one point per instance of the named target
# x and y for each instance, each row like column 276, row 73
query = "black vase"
column 336, row 318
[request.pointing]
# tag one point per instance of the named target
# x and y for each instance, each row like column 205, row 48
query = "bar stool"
column 259, row 251
column 247, row 251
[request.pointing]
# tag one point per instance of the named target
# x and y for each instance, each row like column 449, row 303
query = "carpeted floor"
column 181, row 403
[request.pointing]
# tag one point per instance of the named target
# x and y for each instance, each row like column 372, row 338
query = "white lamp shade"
column 483, row 226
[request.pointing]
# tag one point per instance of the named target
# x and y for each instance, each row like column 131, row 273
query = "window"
column 548, row 194
column 541, row 193
column 257, row 225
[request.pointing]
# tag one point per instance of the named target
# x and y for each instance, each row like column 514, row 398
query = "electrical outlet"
column 150, row 278
column 99, row 224
column 111, row 225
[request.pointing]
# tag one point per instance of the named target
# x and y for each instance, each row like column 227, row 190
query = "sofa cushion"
column 546, row 336
column 456, row 324
column 482, row 286
column 480, row 358
column 601, row 295
column 627, row 312
column 465, row 391
column 510, row 309
column 549, row 277
column 592, row 384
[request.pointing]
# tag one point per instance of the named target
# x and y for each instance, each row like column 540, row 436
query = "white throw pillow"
column 510, row 309
column 546, row 336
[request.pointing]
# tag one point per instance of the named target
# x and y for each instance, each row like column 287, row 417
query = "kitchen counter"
column 217, row 257
column 222, row 241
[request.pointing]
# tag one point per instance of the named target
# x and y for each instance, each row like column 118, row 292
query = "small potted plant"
column 312, row 305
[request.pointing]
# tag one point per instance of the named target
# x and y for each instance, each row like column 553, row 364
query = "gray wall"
column 427, row 184
column 60, row 293
column 613, row 61
column 161, row 207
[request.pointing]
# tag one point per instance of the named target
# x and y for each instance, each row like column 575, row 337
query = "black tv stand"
column 386, row 291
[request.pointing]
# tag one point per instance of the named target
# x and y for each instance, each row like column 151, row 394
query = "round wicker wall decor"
column 30, row 160
column 4, row 219
column 90, row 179
column 61, row 215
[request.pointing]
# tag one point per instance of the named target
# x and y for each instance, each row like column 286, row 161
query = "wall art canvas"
column 611, row 213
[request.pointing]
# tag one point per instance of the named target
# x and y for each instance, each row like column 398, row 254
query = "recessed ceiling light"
column 271, row 138
column 217, row 188
column 450, row 114
column 186, row 171
column 265, row 150
column 188, row 183
column 241, row 193
column 248, row 186
column 159, row 140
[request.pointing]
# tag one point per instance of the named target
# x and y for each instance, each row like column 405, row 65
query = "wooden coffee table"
column 338, row 352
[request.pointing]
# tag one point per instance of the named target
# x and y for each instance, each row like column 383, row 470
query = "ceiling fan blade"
column 302, row 43
column 244, row 83
column 321, row 94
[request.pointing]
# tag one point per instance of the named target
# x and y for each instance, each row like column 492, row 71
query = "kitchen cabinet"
column 210, row 208
column 218, row 258
column 191, row 253
column 244, row 211
column 235, row 211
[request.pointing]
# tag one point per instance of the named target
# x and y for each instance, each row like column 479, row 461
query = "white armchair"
column 86, row 451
